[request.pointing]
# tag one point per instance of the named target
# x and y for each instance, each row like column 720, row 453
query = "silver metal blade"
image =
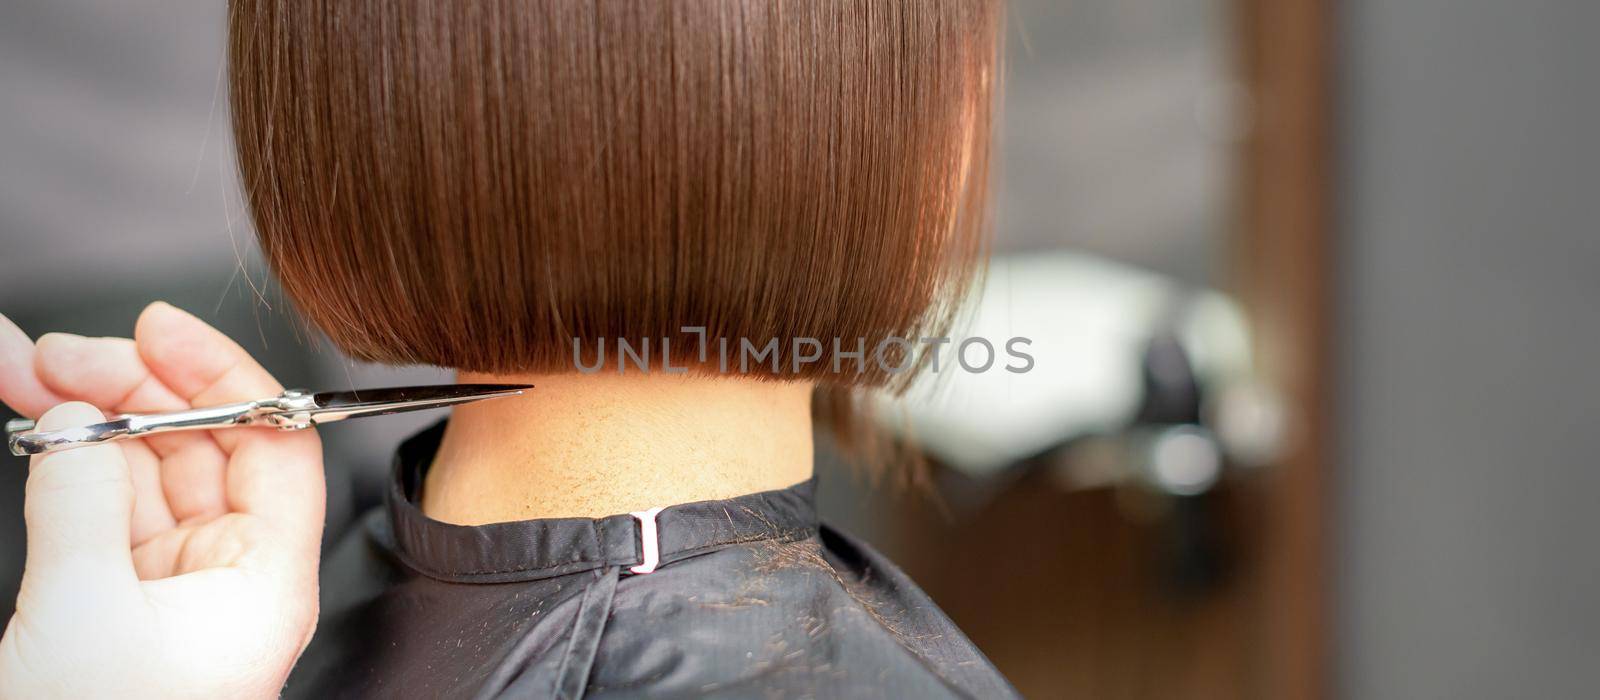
column 338, row 405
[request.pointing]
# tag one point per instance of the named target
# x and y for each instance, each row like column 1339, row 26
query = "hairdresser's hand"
column 179, row 565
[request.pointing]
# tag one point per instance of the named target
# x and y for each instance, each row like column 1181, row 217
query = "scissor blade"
column 338, row 405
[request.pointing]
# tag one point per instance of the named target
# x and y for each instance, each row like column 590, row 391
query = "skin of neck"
column 593, row 445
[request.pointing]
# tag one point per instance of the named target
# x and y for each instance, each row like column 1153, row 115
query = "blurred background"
column 1312, row 288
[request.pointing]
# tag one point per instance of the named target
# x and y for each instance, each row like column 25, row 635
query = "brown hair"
column 474, row 184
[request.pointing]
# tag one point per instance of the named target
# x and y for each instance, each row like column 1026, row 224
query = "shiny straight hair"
column 476, row 183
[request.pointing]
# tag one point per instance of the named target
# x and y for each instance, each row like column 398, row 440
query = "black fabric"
column 528, row 550
column 752, row 598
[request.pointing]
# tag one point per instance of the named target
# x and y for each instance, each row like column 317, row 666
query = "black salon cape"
column 752, row 599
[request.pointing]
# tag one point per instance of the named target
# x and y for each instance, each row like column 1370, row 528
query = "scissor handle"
column 295, row 409
column 24, row 441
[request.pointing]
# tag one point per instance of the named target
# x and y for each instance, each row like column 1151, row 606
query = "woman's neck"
column 592, row 445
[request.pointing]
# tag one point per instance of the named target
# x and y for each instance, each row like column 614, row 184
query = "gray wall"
column 1468, row 565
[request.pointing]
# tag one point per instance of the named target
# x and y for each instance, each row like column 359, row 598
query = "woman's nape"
column 592, row 445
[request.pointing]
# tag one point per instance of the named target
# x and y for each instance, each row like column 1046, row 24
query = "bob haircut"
column 477, row 184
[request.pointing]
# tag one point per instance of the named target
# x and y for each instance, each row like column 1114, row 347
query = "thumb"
column 78, row 508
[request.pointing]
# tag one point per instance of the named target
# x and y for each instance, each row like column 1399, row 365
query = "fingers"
column 101, row 371
column 108, row 372
column 200, row 364
column 19, row 388
column 275, row 474
column 151, row 514
column 78, row 507
column 279, row 477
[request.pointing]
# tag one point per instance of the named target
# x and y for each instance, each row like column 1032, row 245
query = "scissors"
column 295, row 409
